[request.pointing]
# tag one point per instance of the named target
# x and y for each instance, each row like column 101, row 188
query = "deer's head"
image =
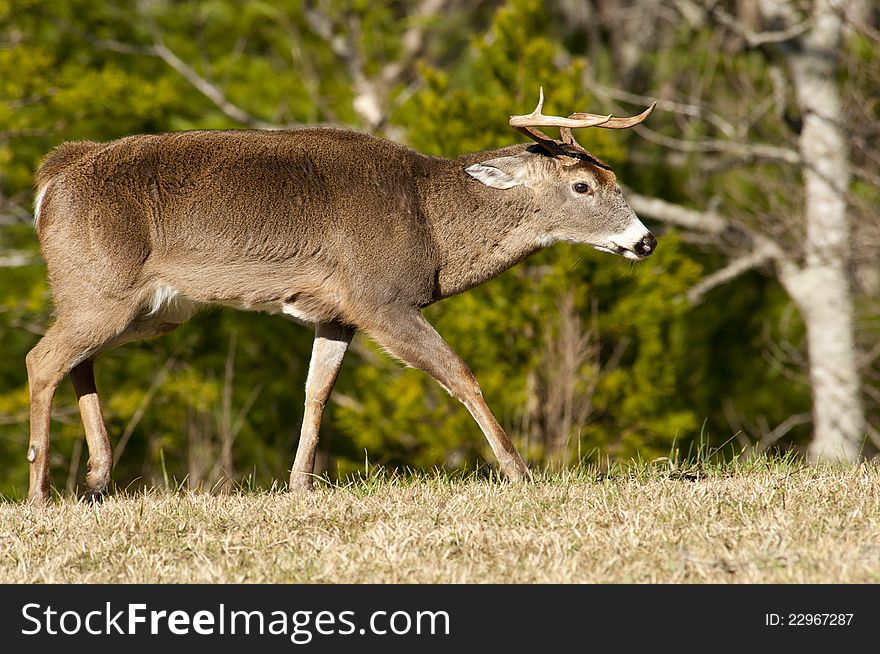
column 578, row 196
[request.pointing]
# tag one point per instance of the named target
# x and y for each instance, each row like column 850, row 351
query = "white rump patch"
column 38, row 204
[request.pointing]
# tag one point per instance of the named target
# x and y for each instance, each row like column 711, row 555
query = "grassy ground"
column 762, row 522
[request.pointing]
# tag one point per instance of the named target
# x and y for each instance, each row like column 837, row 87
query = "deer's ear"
column 502, row 173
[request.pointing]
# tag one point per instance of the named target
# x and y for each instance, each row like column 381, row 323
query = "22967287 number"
column 809, row 619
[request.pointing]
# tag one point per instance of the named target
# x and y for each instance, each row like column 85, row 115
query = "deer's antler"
column 527, row 123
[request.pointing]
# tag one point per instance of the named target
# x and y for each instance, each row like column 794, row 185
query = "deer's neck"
column 479, row 232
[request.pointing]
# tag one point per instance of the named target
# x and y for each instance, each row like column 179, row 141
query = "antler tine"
column 620, row 123
column 568, row 138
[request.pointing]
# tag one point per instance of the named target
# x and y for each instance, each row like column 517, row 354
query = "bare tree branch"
column 204, row 86
column 368, row 93
column 323, row 27
column 732, row 270
column 310, row 78
column 868, row 358
column 371, row 101
column 677, row 215
column 757, row 39
column 371, row 92
column 854, row 16
column 746, row 151
column 694, row 14
column 706, row 222
column 762, row 249
column 689, row 109
column 208, row 89
column 414, row 40
column 124, row 48
column 15, row 259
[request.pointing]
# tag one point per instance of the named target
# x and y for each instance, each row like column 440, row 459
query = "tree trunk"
column 822, row 295
column 822, row 287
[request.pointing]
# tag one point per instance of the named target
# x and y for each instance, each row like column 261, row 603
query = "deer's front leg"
column 328, row 350
column 411, row 338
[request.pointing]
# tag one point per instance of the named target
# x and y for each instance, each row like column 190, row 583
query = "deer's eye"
column 580, row 187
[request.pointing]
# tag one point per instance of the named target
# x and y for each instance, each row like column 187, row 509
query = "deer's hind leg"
column 69, row 346
column 101, row 455
column 100, row 451
column 63, row 348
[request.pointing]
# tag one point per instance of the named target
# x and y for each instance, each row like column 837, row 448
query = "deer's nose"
column 646, row 246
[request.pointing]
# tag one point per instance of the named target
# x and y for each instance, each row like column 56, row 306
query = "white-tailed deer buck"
column 329, row 227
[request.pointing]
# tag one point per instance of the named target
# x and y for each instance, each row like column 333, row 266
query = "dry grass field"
column 762, row 522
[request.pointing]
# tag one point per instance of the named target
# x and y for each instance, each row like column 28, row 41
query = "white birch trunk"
column 821, row 288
